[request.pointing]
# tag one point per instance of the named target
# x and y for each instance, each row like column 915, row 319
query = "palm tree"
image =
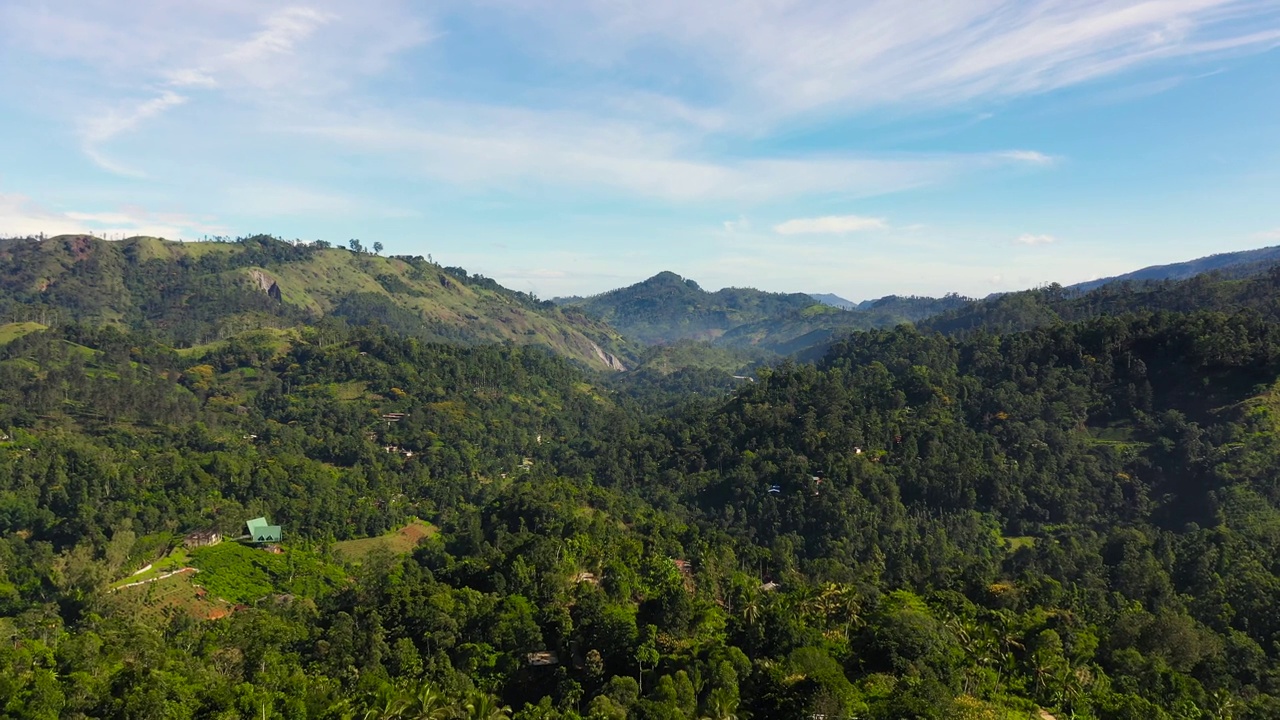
column 386, row 705
column 721, row 705
column 428, row 703
column 485, row 707
column 341, row 710
column 751, row 610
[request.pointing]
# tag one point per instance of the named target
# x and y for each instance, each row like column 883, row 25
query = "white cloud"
column 19, row 216
column 1030, row 157
column 831, row 224
column 734, row 226
column 265, row 58
column 660, row 99
column 791, row 56
column 1032, row 240
column 475, row 145
column 99, row 129
column 1268, row 235
column 190, row 77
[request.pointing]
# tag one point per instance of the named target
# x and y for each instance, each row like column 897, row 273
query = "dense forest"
column 1045, row 505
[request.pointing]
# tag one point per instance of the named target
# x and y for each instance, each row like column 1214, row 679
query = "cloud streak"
column 1032, row 240
column 99, row 130
column 830, row 225
column 526, row 151
column 20, row 216
column 802, row 55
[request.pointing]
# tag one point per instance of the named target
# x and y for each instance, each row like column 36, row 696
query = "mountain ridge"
column 192, row 293
column 1241, row 261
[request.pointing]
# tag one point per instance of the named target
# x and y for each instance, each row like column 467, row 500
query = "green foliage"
column 1080, row 517
column 242, row 574
column 194, row 294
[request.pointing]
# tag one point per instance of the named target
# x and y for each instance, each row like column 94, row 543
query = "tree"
column 647, row 652
column 428, row 703
column 377, row 247
column 387, row 704
column 484, row 706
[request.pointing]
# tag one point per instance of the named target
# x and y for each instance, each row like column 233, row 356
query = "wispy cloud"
column 1031, row 157
column 486, row 146
column 99, row 129
column 661, row 101
column 830, row 225
column 1032, row 240
column 234, row 47
column 807, row 54
column 1268, row 235
column 20, row 216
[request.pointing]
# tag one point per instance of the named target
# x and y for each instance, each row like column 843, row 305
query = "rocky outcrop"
column 267, row 284
column 608, row 359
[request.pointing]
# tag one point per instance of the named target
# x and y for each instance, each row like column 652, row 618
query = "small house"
column 542, row 658
column 202, row 538
column 261, row 533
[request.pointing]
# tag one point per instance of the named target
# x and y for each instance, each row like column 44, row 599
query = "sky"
column 860, row 147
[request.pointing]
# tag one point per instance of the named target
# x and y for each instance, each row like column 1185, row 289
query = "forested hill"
column 1234, row 264
column 813, row 328
column 667, row 307
column 1077, row 520
column 194, row 293
column 1257, row 291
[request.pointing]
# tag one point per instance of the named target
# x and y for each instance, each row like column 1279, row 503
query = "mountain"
column 667, row 307
column 1235, row 264
column 834, row 301
column 1213, row 291
column 1078, row 519
column 196, row 293
column 817, row 325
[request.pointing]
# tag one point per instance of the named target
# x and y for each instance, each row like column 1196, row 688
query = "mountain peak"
column 666, row 277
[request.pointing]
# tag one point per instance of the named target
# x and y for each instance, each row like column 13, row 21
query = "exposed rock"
column 608, row 359
column 267, row 284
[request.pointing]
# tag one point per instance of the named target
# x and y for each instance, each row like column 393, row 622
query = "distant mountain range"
column 667, row 307
column 200, row 293
column 834, row 301
column 1233, row 264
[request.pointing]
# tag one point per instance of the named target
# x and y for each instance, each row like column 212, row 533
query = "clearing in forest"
column 397, row 541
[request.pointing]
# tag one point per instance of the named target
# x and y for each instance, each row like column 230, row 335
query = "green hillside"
column 1079, row 519
column 197, row 293
column 667, row 307
column 12, row 331
column 799, row 331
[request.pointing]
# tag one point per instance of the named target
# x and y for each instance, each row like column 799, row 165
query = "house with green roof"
column 261, row 532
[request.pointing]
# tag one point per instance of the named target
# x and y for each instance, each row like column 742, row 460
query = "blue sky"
column 862, row 148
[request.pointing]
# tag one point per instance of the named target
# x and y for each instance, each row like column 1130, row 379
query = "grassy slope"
column 321, row 283
column 397, row 541
column 448, row 307
column 12, row 331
